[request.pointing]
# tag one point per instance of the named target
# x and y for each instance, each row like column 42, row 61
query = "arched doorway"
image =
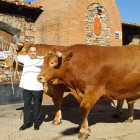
column 97, row 25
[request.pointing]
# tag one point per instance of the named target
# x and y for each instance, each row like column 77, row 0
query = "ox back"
column 112, row 72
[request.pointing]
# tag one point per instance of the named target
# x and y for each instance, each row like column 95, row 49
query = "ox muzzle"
column 41, row 79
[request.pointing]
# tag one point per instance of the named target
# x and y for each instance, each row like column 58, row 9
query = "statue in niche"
column 97, row 26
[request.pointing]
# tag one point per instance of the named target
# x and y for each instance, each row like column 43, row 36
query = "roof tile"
column 131, row 23
column 17, row 2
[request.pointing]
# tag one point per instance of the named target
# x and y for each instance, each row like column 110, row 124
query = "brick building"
column 67, row 22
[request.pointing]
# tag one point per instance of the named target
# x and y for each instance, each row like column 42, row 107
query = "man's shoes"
column 25, row 126
column 36, row 126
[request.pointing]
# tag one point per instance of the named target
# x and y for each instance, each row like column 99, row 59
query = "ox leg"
column 84, row 129
column 130, row 112
column 57, row 99
column 118, row 109
column 58, row 115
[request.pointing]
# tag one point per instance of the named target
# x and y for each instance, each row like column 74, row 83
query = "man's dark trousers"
column 28, row 95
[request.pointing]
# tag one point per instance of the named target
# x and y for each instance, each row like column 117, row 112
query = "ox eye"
column 51, row 63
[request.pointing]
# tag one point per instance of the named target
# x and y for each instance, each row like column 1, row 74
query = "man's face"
column 32, row 52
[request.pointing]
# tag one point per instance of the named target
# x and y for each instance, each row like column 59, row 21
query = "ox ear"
column 66, row 56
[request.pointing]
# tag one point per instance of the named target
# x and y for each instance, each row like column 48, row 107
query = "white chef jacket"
column 29, row 75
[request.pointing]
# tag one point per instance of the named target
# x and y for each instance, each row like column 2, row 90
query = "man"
column 32, row 89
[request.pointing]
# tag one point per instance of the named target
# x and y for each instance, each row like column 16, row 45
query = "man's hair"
column 32, row 47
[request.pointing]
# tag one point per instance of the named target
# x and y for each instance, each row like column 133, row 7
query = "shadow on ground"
column 98, row 114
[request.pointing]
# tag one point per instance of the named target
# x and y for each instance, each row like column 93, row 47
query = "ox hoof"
column 83, row 135
column 56, row 122
column 129, row 121
column 115, row 116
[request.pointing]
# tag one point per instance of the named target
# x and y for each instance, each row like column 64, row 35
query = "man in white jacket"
column 32, row 89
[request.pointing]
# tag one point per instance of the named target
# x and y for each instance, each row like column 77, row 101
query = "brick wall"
column 63, row 21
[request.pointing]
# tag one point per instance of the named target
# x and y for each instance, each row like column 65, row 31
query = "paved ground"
column 102, row 125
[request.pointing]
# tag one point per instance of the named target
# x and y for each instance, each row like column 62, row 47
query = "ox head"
column 20, row 49
column 17, row 46
column 55, row 66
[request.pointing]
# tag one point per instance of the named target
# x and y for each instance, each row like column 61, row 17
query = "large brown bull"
column 95, row 73
column 56, row 91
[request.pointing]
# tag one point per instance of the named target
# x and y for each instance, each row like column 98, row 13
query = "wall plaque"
column 97, row 25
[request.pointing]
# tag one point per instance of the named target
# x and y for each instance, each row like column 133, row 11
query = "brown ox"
column 130, row 112
column 56, row 91
column 95, row 73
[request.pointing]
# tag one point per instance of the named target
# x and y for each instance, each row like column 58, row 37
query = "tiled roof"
column 131, row 24
column 28, row 5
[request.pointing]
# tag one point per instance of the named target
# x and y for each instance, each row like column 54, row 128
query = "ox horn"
column 16, row 39
column 40, row 57
column 19, row 44
column 59, row 54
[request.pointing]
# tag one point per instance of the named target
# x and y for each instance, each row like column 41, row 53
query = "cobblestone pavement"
column 102, row 125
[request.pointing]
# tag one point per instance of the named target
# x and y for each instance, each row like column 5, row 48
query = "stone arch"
column 97, row 25
column 10, row 29
column 7, row 34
